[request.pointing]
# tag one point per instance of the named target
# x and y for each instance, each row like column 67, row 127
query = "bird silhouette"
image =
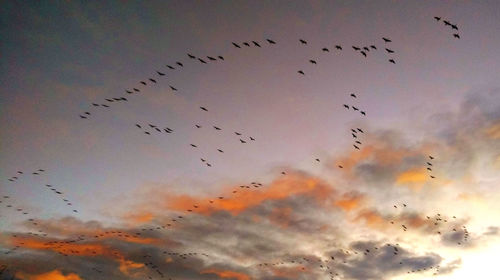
column 221, row 151
column 242, row 141
column 211, row 58
column 170, row 67
column 204, row 109
column 325, row 50
column 338, row 47
column 251, row 138
column 172, row 88
column 192, row 56
column 387, row 40
column 389, row 50
column 246, row 44
column 363, row 53
column 446, row 22
column 202, row 61
column 312, row 61
column 456, row 35
column 271, row 41
column 152, row 80
column 363, row 113
column 301, row 72
column 142, row 82
column 216, row 128
column 346, row 106
column 256, row 44
column 303, row 41
column 437, row 18
column 392, row 61
column 454, row 26
column 179, row 63
column 236, row 45
column 373, row 47
column 356, row 48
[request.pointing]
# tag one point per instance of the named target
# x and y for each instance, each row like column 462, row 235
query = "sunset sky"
column 291, row 197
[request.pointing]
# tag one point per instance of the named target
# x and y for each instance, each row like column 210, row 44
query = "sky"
column 96, row 192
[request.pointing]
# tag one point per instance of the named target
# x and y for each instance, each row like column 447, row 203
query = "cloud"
column 52, row 275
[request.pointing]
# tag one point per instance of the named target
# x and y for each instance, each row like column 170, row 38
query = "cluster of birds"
column 453, row 26
column 356, row 109
column 362, row 50
column 20, row 173
column 429, row 167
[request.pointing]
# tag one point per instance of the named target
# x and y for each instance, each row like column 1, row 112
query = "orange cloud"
column 75, row 249
column 52, row 275
column 139, row 218
column 285, row 187
column 493, row 132
column 349, row 201
column 227, row 274
column 414, row 178
column 371, row 218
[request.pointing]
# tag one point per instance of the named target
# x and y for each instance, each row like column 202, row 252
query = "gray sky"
column 440, row 98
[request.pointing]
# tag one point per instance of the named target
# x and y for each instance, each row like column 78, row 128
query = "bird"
column 194, row 146
column 366, row 49
column 301, row 72
column 237, row 133
column 303, row 41
column 83, row 117
column 354, row 108
column 236, row 45
column 217, row 128
column 312, row 61
column 138, row 125
column 437, row 18
column 356, row 48
column 152, row 80
column 170, row 67
column 373, row 47
column 356, row 147
column 431, row 157
column 211, row 58
column 283, row 172
column 191, row 56
column 338, row 47
column 387, row 40
column 389, row 50
column 325, row 49
column 251, row 138
column 221, row 151
column 136, row 90
column 143, row 82
column 130, row 92
column 392, row 61
column 203, row 160
column 358, row 142
column 363, row 53
column 317, row 160
column 454, row 26
column 428, row 163
column 204, row 109
column 363, row 113
column 220, row 57
column 242, row 141
column 360, row 130
column 446, row 22
column 256, row 44
column 179, row 63
column 346, row 106
column 340, row 166
column 246, row 44
column 95, row 104
column 202, row 61
column 172, row 88
column 456, row 35
column 197, row 126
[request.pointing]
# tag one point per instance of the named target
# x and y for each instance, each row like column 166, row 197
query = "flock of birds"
column 342, row 256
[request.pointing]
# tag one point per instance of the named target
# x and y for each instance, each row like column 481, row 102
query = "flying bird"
column 152, row 80
column 456, row 35
column 346, row 106
column 301, row 72
column 303, row 41
column 373, row 47
column 180, row 64
column 454, row 26
column 389, row 50
column 392, row 61
column 216, row 128
column 251, row 138
column 170, row 67
column 242, row 141
column 143, row 82
column 220, row 57
column 236, row 45
column 192, row 56
column 204, row 109
column 338, row 47
column 256, row 44
column 387, row 40
column 325, row 50
column 221, row 151
column 270, row 41
column 246, row 44
column 237, row 133
column 312, row 61
column 356, row 48
column 363, row 113
column 437, row 18
column 446, row 22
column 363, row 53
column 211, row 58
column 172, row 88
column 202, row 61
